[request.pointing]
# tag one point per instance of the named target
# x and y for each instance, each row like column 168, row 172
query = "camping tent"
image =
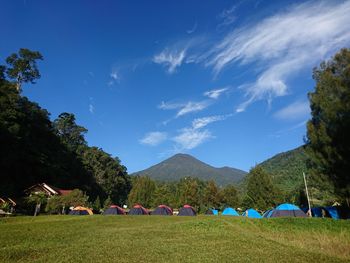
column 267, row 213
column 187, row 210
column 138, row 210
column 114, row 210
column 252, row 213
column 163, row 210
column 229, row 211
column 332, row 212
column 211, row 211
column 80, row 210
column 286, row 210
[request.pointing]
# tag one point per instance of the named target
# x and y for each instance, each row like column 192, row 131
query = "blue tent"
column 229, row 211
column 252, row 213
column 211, row 211
column 286, row 210
column 266, row 214
column 332, row 211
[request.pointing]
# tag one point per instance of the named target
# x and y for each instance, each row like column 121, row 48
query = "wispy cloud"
column 184, row 108
column 215, row 94
column 154, row 138
column 171, row 59
column 294, row 111
column 283, row 44
column 191, row 138
column 193, row 29
column 227, row 16
column 202, row 122
column 91, row 105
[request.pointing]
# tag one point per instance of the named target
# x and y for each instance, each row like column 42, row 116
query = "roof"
column 49, row 189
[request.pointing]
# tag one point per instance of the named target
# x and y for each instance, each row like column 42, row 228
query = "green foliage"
column 142, row 191
column 261, row 192
column 328, row 130
column 108, row 173
column 230, row 197
column 212, row 195
column 56, row 204
column 71, row 134
column 107, row 203
column 23, row 67
column 97, row 205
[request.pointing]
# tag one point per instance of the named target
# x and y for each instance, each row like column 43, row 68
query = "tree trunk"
column 37, row 209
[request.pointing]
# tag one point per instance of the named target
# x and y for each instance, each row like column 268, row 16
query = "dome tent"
column 252, row 213
column 211, row 211
column 138, row 210
column 286, row 210
column 187, row 210
column 80, row 211
column 114, row 210
column 229, row 211
column 267, row 213
column 163, row 210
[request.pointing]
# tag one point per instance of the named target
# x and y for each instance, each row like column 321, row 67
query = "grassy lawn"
column 172, row 239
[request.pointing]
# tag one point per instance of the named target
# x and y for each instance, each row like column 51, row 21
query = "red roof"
column 64, row 192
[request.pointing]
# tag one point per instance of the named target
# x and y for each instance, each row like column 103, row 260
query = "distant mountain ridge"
column 287, row 168
column 185, row 165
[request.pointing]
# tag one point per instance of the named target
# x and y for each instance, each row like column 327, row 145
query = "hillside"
column 184, row 165
column 287, row 168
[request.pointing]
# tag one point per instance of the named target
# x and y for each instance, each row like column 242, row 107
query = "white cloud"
column 170, row 59
column 115, row 77
column 296, row 110
column 192, row 107
column 202, row 122
column 154, row 138
column 191, row 138
column 91, row 108
column 215, row 94
column 184, row 108
column 283, row 44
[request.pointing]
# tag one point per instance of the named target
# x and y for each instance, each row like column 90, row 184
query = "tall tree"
column 212, row 195
column 328, row 141
column 110, row 176
column 71, row 134
column 261, row 193
column 229, row 197
column 142, row 191
column 22, row 67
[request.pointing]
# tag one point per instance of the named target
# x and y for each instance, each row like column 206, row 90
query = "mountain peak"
column 184, row 165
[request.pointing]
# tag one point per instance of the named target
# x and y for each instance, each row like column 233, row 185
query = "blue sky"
column 225, row 81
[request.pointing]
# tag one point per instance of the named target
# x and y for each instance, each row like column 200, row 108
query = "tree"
column 212, row 195
column 110, row 176
column 328, row 141
column 230, row 197
column 37, row 199
column 261, row 193
column 142, row 191
column 71, row 134
column 23, row 67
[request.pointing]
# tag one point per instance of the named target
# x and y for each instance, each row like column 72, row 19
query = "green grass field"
column 172, row 239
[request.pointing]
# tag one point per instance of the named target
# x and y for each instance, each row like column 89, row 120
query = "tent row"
column 283, row 210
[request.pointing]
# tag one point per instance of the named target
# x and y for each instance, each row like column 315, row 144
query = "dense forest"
column 35, row 149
